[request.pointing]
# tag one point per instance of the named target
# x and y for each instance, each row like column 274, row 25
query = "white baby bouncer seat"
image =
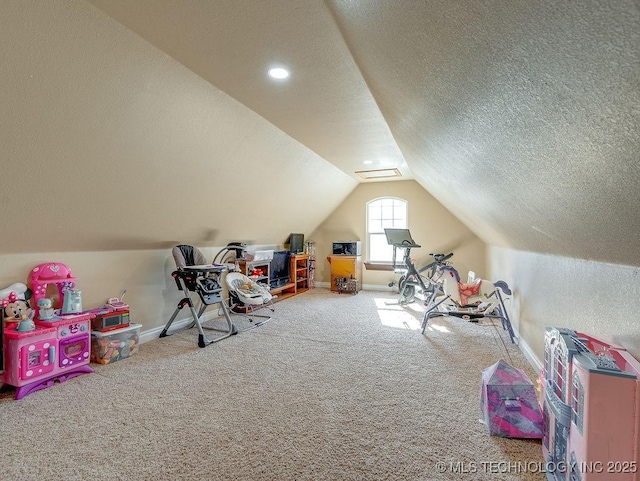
column 248, row 296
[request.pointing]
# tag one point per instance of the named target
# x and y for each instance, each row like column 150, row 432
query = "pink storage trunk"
column 509, row 403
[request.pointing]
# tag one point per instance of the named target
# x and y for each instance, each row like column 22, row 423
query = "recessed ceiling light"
column 367, row 162
column 278, row 73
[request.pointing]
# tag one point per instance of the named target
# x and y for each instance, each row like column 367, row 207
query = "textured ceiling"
column 521, row 117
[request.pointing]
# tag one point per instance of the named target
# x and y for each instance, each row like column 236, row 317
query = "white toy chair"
column 247, row 295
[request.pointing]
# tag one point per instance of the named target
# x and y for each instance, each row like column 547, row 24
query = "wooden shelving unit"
column 248, row 267
column 299, row 273
column 284, row 291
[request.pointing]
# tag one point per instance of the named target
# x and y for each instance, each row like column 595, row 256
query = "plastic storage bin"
column 111, row 346
column 264, row 255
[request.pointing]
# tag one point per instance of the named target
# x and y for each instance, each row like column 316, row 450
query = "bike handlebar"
column 441, row 257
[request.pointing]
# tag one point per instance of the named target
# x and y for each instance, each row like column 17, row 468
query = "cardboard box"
column 111, row 346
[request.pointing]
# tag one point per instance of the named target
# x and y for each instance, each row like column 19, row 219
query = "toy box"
column 344, row 284
column 509, row 404
column 111, row 346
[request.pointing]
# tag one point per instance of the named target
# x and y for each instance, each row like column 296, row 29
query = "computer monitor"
column 400, row 237
column 296, row 243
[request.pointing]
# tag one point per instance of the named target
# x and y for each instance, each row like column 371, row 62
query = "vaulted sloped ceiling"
column 521, row 117
column 325, row 105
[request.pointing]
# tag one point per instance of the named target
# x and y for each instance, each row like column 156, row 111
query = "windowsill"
column 379, row 266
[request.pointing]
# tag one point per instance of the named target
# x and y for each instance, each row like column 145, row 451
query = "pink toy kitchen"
column 47, row 335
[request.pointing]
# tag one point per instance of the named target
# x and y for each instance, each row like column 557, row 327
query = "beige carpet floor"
column 334, row 387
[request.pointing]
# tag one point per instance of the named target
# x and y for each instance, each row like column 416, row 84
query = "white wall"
column 144, row 274
column 432, row 226
column 112, row 152
column 110, row 144
column 591, row 297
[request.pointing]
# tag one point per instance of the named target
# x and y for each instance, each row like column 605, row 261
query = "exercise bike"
column 412, row 279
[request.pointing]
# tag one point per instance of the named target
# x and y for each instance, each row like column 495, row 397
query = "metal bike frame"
column 413, row 276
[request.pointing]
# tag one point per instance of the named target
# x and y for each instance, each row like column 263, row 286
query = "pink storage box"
column 509, row 403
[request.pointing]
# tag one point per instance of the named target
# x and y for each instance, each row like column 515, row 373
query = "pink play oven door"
column 37, row 358
column 74, row 351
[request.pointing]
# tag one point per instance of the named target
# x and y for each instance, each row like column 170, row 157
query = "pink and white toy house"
column 591, row 406
column 605, row 422
column 56, row 348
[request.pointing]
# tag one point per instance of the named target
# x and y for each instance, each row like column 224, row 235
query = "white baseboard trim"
column 377, row 287
column 153, row 334
column 528, row 353
column 176, row 325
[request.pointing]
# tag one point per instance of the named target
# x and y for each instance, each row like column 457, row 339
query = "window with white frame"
column 385, row 212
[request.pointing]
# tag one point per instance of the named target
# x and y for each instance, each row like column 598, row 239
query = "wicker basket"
column 344, row 284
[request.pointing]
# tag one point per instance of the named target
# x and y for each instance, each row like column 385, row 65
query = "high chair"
column 195, row 274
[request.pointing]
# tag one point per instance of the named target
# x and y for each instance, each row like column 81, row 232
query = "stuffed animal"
column 14, row 301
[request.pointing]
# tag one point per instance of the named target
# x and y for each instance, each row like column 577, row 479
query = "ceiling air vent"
column 378, row 173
